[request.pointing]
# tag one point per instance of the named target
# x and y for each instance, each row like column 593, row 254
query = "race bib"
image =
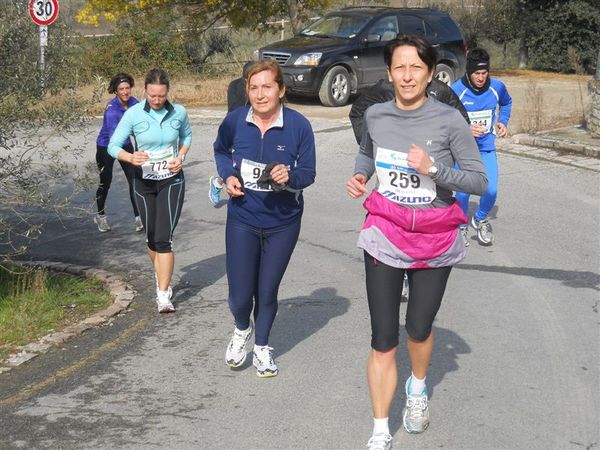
column 399, row 183
column 157, row 167
column 251, row 171
column 483, row 118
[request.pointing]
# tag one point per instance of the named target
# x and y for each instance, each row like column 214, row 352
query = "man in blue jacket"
column 481, row 96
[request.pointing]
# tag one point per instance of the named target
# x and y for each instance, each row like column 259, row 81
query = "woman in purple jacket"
column 120, row 85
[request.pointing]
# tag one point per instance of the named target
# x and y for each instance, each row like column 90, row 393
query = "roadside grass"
column 35, row 302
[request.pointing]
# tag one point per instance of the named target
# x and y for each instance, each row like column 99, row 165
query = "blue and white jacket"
column 289, row 141
column 482, row 109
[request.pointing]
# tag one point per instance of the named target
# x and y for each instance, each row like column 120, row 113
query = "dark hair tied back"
column 157, row 76
column 117, row 80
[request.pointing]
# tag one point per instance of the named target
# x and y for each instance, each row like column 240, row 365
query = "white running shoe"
column 405, row 288
column 139, row 226
column 263, row 361
column 163, row 301
column 235, row 355
column 464, row 231
column 381, row 441
column 102, row 223
column 485, row 235
column 416, row 412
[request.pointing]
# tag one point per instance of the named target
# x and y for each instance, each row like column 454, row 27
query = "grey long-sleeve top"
column 435, row 127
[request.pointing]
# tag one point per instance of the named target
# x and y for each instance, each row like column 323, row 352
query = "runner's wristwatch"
column 433, row 168
column 182, row 156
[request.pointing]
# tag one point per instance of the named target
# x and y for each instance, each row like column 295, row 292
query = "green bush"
column 567, row 38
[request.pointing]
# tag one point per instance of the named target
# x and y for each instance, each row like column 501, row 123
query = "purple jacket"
column 112, row 116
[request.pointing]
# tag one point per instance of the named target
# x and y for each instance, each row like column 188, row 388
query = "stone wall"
column 593, row 121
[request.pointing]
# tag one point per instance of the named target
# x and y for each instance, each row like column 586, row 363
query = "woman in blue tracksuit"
column 265, row 152
column 163, row 137
column 120, row 85
column 481, row 95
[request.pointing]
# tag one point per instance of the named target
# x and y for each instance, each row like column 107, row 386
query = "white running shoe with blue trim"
column 416, row 412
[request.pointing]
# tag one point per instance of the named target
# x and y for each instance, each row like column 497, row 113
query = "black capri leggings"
column 105, row 164
column 384, row 289
column 160, row 204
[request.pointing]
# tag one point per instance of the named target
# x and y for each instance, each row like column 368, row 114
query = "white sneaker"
column 416, row 412
column 263, row 361
column 381, row 441
column 139, row 226
column 169, row 289
column 464, row 231
column 163, row 301
column 405, row 288
column 235, row 355
column 102, row 223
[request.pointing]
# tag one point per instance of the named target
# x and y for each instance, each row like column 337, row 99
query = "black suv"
column 343, row 51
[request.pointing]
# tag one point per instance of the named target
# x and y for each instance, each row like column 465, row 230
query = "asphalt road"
column 515, row 363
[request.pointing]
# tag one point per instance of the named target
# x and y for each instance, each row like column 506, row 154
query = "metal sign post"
column 43, row 13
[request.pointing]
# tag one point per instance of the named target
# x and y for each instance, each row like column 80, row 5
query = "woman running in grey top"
column 411, row 144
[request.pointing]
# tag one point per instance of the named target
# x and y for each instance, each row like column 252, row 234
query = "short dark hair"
column 117, row 80
column 425, row 50
column 157, row 76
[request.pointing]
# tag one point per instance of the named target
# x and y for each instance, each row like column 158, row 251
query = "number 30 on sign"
column 43, row 12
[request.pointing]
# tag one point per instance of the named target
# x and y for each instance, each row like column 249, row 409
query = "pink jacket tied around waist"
column 412, row 238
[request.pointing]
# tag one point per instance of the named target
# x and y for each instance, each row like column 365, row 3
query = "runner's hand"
column 419, row 159
column 234, row 187
column 501, row 130
column 138, row 158
column 356, row 186
column 279, row 174
column 175, row 165
column 477, row 130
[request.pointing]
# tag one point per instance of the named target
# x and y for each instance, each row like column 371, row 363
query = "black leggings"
column 384, row 289
column 105, row 164
column 160, row 204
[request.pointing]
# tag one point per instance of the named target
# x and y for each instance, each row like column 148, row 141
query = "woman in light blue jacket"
column 163, row 136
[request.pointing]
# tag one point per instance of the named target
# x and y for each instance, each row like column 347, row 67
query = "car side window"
column 412, row 25
column 386, row 27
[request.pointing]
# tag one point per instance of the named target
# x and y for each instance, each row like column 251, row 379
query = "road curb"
column 122, row 293
column 564, row 145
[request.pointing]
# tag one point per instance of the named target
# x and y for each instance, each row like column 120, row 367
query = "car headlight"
column 309, row 59
column 256, row 55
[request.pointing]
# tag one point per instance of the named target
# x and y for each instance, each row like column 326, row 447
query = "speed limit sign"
column 43, row 12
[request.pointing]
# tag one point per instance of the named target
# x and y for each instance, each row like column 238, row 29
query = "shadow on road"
column 299, row 318
column 570, row 278
column 446, row 349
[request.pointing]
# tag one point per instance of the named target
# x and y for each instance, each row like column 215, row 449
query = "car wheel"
column 335, row 87
column 445, row 74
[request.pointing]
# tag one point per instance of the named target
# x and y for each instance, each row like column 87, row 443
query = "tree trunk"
column 523, row 53
column 293, row 13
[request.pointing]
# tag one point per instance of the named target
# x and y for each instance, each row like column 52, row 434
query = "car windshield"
column 337, row 25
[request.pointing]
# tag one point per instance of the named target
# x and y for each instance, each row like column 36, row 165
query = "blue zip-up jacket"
column 112, row 116
column 495, row 95
column 290, row 141
column 151, row 135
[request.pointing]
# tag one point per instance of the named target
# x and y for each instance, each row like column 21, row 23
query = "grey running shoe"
column 485, row 235
column 102, row 223
column 416, row 412
column 465, row 231
column 405, row 288
column 263, row 361
column 163, row 301
column 139, row 226
column 380, row 442
column 235, row 355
